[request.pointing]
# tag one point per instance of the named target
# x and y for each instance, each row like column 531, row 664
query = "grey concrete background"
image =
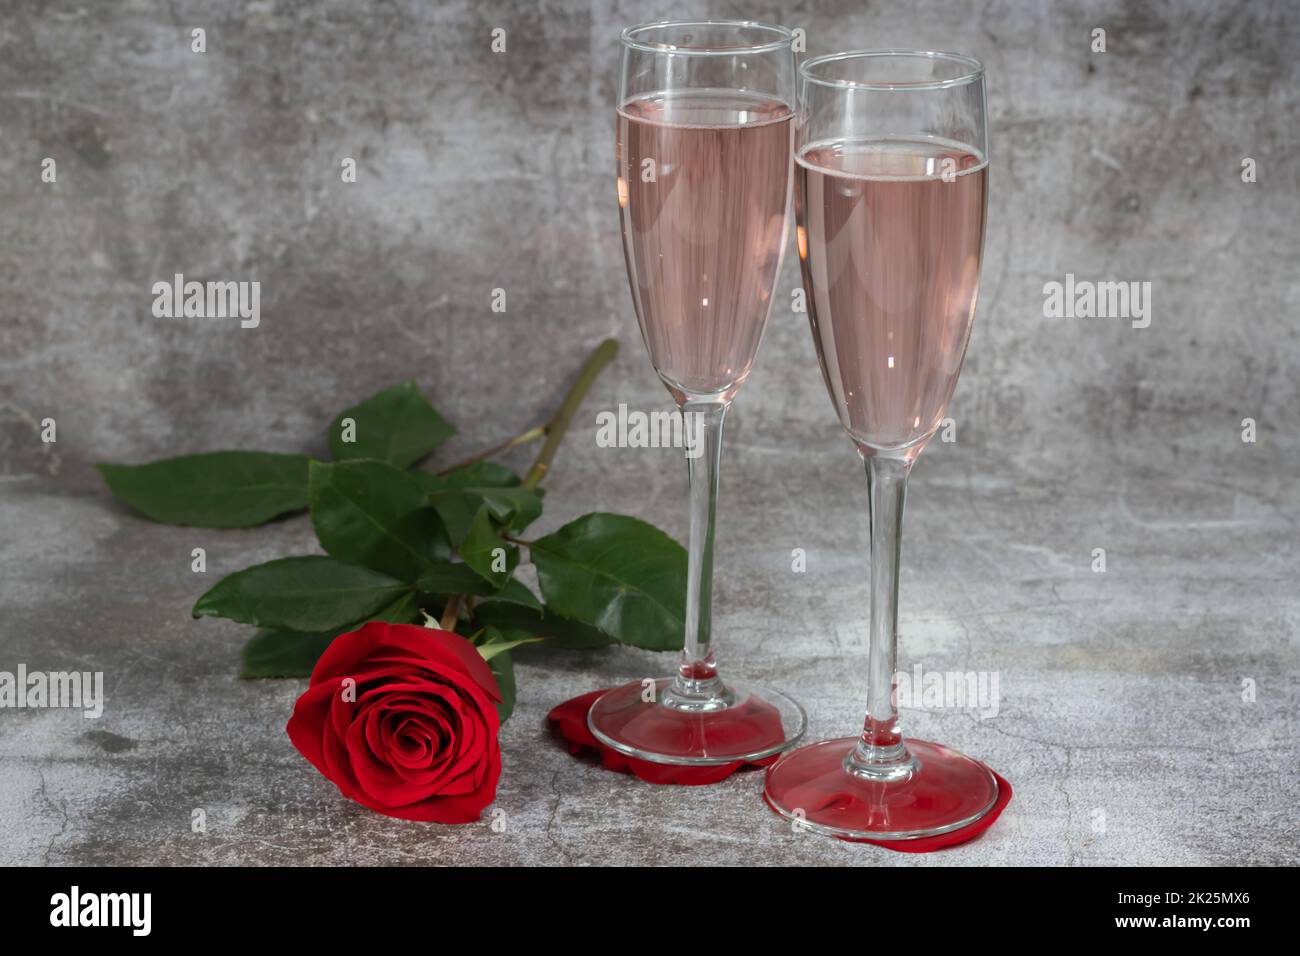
column 1121, row 693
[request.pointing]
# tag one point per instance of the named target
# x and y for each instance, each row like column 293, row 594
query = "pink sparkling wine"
column 890, row 237
column 704, row 193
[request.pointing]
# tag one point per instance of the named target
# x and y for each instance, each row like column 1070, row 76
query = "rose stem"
column 451, row 612
column 559, row 424
column 522, row 439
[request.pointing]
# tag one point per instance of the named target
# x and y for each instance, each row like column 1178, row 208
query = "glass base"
column 944, row 791
column 739, row 722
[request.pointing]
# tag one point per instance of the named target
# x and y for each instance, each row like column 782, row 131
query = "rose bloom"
column 402, row 719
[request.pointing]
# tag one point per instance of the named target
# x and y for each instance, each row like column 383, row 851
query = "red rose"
column 402, row 719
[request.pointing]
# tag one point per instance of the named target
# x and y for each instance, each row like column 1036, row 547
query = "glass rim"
column 974, row 70
column 784, row 38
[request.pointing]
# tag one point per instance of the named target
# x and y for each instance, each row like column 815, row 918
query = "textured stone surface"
column 1121, row 693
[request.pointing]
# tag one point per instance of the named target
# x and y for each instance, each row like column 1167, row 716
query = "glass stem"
column 880, row 752
column 696, row 686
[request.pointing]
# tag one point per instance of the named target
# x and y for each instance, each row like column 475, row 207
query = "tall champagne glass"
column 891, row 180
column 705, row 135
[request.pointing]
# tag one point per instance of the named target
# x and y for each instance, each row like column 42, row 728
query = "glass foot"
column 945, row 791
column 741, row 723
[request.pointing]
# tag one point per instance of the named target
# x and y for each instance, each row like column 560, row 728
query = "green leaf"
column 372, row 513
column 485, row 552
column 398, row 426
column 446, row 577
column 283, row 653
column 456, row 510
column 619, row 574
column 493, row 648
column 279, row 652
column 484, row 474
column 490, row 642
column 557, row 631
column 310, row 593
column 503, row 669
column 517, row 507
column 220, row 489
column 515, row 592
column 458, row 496
column 405, row 610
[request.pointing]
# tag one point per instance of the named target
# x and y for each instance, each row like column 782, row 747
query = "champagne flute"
column 891, row 179
column 705, row 136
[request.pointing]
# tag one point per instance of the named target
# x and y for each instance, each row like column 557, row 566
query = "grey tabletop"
column 1146, row 713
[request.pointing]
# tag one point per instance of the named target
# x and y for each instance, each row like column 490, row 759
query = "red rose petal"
column 376, row 643
column 306, row 723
